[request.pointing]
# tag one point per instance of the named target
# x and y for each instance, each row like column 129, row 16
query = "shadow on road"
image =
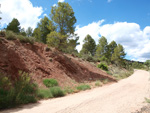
column 19, row 108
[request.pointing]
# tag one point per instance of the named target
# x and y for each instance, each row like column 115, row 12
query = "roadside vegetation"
column 58, row 31
column 83, row 87
column 15, row 92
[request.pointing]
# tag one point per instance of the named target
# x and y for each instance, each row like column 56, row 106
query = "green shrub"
column 11, row 35
column 147, row 100
column 16, row 92
column 24, row 39
column 50, row 82
column 105, row 81
column 68, row 90
column 44, row 93
column 7, row 93
column 25, row 90
column 103, row 66
column 83, row 87
column 88, row 58
column 2, row 33
column 108, row 72
column 98, row 83
column 57, row 92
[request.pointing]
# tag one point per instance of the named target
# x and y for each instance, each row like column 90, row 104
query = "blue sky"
column 125, row 21
column 87, row 11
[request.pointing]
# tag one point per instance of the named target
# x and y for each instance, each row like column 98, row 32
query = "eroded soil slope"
column 42, row 62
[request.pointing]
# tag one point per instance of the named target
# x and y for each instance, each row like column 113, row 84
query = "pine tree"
column 118, row 55
column 72, row 43
column 55, row 39
column 112, row 46
column 89, row 46
column 22, row 32
column 14, row 26
column 44, row 27
column 63, row 17
column 102, row 49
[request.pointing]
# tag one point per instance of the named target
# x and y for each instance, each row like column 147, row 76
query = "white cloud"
column 135, row 40
column 61, row 0
column 109, row 1
column 45, row 15
column 91, row 29
column 23, row 10
column 54, row 5
column 58, row 1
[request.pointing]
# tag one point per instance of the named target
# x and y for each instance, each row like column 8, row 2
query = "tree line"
column 111, row 53
column 58, row 30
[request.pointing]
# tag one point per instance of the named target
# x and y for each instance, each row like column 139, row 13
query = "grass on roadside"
column 48, row 82
column 98, row 83
column 44, row 94
column 147, row 100
column 83, row 87
column 68, row 90
column 57, row 92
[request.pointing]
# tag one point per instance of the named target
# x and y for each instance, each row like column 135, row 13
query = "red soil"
column 42, row 63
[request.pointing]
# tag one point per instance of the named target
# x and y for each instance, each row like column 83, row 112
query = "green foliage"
column 2, row 33
column 102, row 48
column 118, row 55
column 29, row 32
column 37, row 34
column 88, row 57
column 11, row 35
column 24, row 39
column 120, row 73
column 63, row 17
column 105, row 81
column 89, row 46
column 14, row 26
column 50, row 82
column 72, row 43
column 44, row 27
column 22, row 32
column 111, row 48
column 62, row 36
column 57, row 92
column 25, row 90
column 103, row 66
column 138, row 65
column 83, row 87
column 147, row 100
column 19, row 91
column 98, row 83
column 68, row 90
column 56, row 40
column 147, row 63
column 44, row 93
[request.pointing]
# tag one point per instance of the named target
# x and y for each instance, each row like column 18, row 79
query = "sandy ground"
column 126, row 96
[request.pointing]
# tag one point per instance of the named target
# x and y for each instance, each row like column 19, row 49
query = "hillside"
column 43, row 62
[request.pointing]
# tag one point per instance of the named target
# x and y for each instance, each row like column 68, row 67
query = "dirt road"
column 126, row 96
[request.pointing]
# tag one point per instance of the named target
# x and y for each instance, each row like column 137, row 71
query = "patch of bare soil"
column 42, row 62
